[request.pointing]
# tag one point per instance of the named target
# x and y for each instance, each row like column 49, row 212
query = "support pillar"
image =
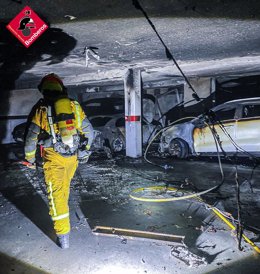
column 133, row 124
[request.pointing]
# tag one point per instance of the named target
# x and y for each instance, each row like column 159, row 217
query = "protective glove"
column 83, row 156
column 28, row 164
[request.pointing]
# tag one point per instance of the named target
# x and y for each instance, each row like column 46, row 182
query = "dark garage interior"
column 171, row 182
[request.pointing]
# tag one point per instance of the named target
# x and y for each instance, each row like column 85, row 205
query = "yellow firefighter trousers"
column 58, row 172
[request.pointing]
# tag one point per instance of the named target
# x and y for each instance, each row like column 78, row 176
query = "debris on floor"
column 100, row 198
column 182, row 253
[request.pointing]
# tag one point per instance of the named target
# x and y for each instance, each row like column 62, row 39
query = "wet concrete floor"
column 100, row 197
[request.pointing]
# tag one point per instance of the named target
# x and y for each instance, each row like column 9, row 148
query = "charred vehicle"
column 103, row 114
column 108, row 119
column 232, row 128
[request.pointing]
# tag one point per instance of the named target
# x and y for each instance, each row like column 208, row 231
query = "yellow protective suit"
column 58, row 169
column 58, row 172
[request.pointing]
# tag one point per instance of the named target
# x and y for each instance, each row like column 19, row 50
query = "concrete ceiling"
column 220, row 38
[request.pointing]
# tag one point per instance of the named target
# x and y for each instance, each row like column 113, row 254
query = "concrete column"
column 133, row 127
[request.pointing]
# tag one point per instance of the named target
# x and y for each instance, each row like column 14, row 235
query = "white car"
column 234, row 126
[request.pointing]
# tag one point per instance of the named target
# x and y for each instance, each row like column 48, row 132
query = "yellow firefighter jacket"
column 40, row 129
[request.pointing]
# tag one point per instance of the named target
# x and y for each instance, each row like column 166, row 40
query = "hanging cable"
column 167, row 51
column 217, row 141
column 158, row 190
column 251, row 176
column 220, row 165
column 222, row 127
column 161, row 117
column 159, row 132
column 239, row 227
column 222, row 216
column 170, row 57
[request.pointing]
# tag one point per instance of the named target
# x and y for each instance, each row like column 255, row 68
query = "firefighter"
column 60, row 126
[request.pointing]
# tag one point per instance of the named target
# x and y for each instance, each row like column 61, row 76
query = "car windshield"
column 100, row 121
column 103, row 106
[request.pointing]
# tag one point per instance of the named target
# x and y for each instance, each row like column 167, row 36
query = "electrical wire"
column 161, row 117
column 220, row 165
column 214, row 133
column 251, row 176
column 216, row 140
column 167, row 51
column 217, row 211
column 239, row 227
column 222, row 127
column 170, row 199
column 159, row 132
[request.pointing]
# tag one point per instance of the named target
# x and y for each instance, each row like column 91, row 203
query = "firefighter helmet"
column 51, row 82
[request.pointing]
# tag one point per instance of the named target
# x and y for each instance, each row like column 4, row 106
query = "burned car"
column 229, row 128
column 103, row 114
column 107, row 117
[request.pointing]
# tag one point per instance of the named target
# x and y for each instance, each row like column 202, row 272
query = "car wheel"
column 178, row 148
column 117, row 144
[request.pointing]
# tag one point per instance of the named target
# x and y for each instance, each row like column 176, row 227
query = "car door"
column 222, row 124
column 248, row 127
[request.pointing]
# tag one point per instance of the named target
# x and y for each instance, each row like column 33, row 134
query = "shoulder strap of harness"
column 50, row 120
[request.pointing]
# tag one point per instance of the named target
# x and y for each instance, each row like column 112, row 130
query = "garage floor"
column 100, row 197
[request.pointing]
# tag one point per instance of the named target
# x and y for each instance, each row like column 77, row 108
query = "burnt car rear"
column 232, row 128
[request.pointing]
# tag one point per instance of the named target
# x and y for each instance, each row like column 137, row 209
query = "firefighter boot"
column 63, row 241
